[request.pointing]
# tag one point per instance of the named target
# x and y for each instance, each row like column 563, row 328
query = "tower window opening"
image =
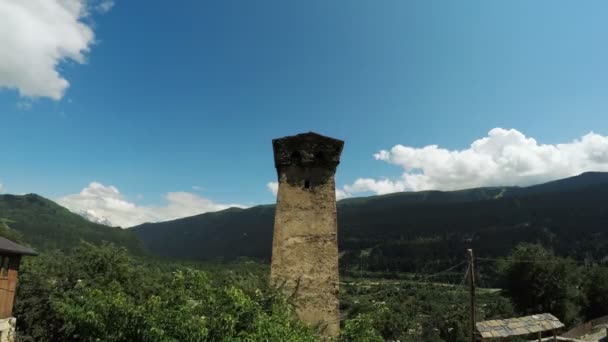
column 306, row 184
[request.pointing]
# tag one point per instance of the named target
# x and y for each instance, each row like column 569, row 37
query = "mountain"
column 572, row 183
column 47, row 225
column 409, row 230
column 228, row 234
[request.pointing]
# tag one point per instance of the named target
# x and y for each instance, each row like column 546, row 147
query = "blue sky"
column 175, row 95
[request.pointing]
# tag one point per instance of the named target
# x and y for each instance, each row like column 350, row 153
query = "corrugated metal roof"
column 8, row 246
column 518, row 326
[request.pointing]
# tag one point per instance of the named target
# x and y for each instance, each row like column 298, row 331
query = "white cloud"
column 273, row 187
column 381, row 187
column 105, row 204
column 105, row 6
column 24, row 105
column 341, row 194
column 1, row 186
column 504, row 157
column 35, row 37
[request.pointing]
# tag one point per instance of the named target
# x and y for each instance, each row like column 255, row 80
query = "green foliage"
column 412, row 311
column 537, row 281
column 360, row 328
column 595, row 286
column 46, row 225
column 100, row 293
column 7, row 232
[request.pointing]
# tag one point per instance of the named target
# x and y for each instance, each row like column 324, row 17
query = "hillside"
column 46, row 225
column 416, row 230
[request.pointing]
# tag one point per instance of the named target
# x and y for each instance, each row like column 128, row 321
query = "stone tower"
column 304, row 246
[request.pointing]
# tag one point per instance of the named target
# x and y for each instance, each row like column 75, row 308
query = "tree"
column 100, row 293
column 596, row 291
column 537, row 281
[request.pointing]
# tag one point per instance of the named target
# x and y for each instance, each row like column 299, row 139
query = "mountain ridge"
column 393, row 223
column 46, row 225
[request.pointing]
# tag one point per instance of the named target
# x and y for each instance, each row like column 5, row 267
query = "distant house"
column 10, row 258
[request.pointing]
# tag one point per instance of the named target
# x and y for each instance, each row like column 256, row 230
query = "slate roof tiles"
column 518, row 326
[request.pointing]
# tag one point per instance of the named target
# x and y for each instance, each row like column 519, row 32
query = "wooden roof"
column 518, row 326
column 10, row 247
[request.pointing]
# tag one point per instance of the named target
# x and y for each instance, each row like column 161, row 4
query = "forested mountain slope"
column 410, row 231
column 45, row 225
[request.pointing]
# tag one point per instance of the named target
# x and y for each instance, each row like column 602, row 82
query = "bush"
column 100, row 293
column 360, row 328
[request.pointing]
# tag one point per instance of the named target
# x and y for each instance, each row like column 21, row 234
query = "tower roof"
column 307, row 149
column 8, row 246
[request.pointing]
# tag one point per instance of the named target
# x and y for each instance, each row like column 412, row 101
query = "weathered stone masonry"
column 304, row 247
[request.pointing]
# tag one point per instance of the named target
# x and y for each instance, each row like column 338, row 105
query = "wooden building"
column 10, row 257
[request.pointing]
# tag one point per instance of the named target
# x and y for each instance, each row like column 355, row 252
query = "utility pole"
column 472, row 292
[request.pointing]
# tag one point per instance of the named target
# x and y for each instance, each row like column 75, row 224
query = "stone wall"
column 7, row 329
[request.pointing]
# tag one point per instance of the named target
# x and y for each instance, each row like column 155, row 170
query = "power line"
column 524, row 261
column 446, row 270
column 529, row 261
column 464, row 278
column 398, row 287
